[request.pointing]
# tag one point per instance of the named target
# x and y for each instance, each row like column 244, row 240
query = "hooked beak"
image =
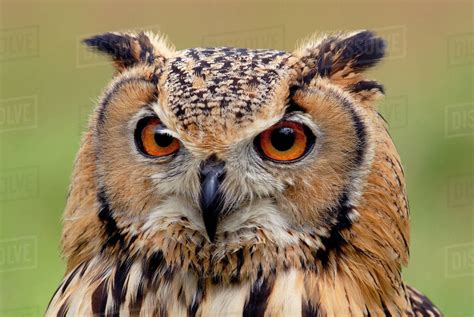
column 212, row 173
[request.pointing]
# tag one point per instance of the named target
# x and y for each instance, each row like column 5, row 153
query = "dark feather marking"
column 63, row 286
column 360, row 132
column 154, row 79
column 70, row 278
column 216, row 279
column 367, row 85
column 309, row 76
column 308, row 310
column 168, row 273
column 294, row 107
column 294, row 88
column 235, row 278
column 62, row 312
column 84, row 268
column 303, row 262
column 257, row 302
column 136, row 304
column 54, row 295
column 385, row 309
column 132, row 240
column 197, row 298
column 152, row 265
column 119, row 288
column 334, row 241
column 106, row 217
column 368, row 312
column 181, row 298
column 99, row 299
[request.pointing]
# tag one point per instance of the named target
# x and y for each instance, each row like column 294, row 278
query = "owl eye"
column 286, row 141
column 152, row 141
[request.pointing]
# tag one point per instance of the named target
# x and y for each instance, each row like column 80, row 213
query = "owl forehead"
column 214, row 88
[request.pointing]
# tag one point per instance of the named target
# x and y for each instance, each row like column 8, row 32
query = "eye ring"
column 285, row 142
column 153, row 143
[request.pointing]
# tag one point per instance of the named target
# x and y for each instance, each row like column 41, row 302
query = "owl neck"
column 347, row 263
column 325, row 270
column 331, row 259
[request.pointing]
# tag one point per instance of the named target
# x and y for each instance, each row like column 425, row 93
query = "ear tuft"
column 361, row 51
column 128, row 49
column 342, row 54
column 342, row 58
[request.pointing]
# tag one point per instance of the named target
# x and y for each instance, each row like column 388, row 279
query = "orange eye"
column 286, row 141
column 153, row 142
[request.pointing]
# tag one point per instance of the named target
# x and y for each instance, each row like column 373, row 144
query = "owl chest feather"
column 241, row 282
column 174, row 294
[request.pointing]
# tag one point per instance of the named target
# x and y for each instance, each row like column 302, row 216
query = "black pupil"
column 163, row 139
column 283, row 138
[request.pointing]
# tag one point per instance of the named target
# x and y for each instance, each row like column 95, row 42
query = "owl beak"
column 212, row 173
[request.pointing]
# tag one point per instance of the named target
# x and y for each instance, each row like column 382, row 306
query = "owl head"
column 206, row 152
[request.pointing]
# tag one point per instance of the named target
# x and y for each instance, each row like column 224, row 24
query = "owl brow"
column 112, row 91
column 293, row 107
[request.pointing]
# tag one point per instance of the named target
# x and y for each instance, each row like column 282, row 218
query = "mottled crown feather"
column 339, row 57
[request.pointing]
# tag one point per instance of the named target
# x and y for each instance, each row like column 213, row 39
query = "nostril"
column 212, row 166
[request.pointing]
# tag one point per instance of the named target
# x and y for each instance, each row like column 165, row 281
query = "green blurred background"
column 49, row 83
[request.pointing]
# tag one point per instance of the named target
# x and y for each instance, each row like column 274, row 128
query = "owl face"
column 223, row 180
column 224, row 142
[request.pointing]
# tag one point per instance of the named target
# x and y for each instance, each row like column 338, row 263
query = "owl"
column 237, row 182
